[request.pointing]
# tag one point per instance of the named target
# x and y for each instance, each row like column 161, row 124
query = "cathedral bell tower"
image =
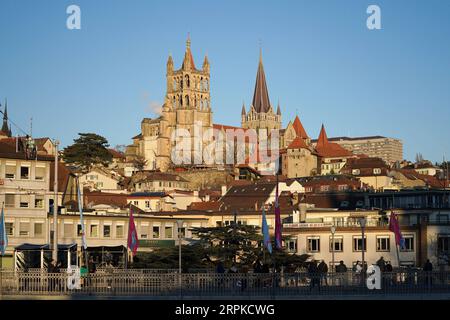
column 187, row 102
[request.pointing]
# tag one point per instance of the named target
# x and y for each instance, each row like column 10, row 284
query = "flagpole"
column 398, row 255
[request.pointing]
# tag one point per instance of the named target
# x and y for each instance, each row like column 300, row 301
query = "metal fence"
column 270, row 285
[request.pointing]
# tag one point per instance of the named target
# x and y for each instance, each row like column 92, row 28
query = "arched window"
column 186, row 78
column 186, row 101
column 181, row 84
column 174, row 84
column 181, row 102
column 201, row 84
column 174, row 102
column 206, row 85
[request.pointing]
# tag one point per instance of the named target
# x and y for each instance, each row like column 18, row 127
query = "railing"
column 139, row 283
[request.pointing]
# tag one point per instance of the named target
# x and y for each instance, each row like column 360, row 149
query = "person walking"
column 428, row 268
column 314, row 277
column 341, row 270
column 381, row 264
column 323, row 271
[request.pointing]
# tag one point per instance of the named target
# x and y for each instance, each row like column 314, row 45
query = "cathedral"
column 187, row 106
column 187, row 103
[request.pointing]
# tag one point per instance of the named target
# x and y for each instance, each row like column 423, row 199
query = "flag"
column 133, row 242
column 395, row 228
column 80, row 208
column 3, row 235
column 278, row 240
column 265, row 231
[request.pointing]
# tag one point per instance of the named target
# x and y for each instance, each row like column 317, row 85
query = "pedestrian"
column 389, row 270
column 220, row 268
column 323, row 271
column 109, row 271
column 314, row 276
column 341, row 269
column 381, row 264
column 52, row 271
column 428, row 268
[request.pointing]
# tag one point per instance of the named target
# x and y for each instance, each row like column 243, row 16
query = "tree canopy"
column 88, row 150
column 231, row 244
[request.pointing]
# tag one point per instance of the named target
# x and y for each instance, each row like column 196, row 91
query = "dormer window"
column 376, row 171
column 356, row 172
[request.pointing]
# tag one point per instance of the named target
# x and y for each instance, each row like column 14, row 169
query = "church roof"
column 261, row 101
column 298, row 143
column 328, row 149
column 299, row 130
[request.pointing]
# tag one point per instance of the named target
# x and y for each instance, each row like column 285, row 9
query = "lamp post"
column 179, row 225
column 362, row 223
column 333, row 231
column 55, row 206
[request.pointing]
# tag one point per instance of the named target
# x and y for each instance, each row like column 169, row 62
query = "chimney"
column 224, row 190
column 296, row 216
column 302, row 207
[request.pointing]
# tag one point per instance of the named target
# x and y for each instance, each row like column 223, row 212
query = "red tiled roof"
column 328, row 149
column 116, row 154
column 298, row 143
column 205, row 206
column 299, row 130
column 97, row 197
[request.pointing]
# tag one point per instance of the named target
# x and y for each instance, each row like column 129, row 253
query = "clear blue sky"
column 320, row 61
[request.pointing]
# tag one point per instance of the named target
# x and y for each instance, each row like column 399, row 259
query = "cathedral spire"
column 278, row 109
column 188, row 62
column 243, row 113
column 5, row 128
column 261, row 101
column 322, row 141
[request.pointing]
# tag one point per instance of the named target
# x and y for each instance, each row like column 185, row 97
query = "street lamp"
column 333, row 231
column 179, row 225
column 362, row 223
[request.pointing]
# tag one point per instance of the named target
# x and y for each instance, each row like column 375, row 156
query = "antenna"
column 31, row 126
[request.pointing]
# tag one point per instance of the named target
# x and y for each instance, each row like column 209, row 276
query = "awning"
column 32, row 247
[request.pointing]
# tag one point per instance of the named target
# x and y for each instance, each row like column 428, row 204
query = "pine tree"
column 88, row 150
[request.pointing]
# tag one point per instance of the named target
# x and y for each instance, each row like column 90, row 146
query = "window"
column 376, row 171
column 443, row 244
column 144, row 231
column 355, row 172
column 383, row 243
column 357, row 243
column 338, row 244
column 68, row 230
column 169, row 232
column 38, row 229
column 10, row 172
column 136, row 203
column 119, row 231
column 24, row 172
column 99, row 184
column 24, row 201
column 106, row 231
column 409, row 243
column 324, row 188
column 24, row 229
column 155, row 232
column 79, row 231
column 147, row 204
column 313, row 244
column 10, row 200
column 39, row 202
column 40, row 173
column 94, row 230
column 291, row 245
column 9, row 226
column 343, row 187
